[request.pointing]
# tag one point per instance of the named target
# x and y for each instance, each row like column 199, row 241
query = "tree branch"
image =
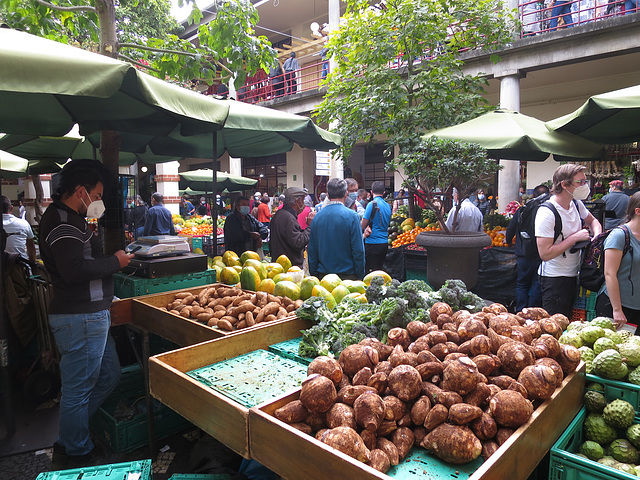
column 79, row 8
column 131, row 60
column 164, row 50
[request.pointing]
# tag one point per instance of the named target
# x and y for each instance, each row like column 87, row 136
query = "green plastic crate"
column 127, row 286
column 252, row 378
column 196, row 243
column 420, row 465
column 412, row 274
column 289, row 349
column 614, row 389
column 104, row 472
column 566, row 465
column 127, row 435
column 200, row 476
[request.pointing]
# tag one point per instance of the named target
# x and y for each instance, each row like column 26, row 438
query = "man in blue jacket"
column 158, row 221
column 335, row 244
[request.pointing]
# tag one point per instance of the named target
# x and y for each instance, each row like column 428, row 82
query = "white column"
column 295, row 167
column 167, row 183
column 235, row 166
column 509, row 176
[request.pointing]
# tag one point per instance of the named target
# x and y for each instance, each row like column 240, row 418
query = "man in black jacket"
column 243, row 232
column 79, row 310
column 287, row 237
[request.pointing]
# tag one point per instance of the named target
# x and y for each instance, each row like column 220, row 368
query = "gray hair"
column 323, row 196
column 336, row 188
column 158, row 197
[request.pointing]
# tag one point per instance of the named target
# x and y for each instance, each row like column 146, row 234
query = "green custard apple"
column 595, row 402
column 612, row 335
column 576, row 326
column 608, row 461
column 596, row 429
column 622, row 450
column 591, row 333
column 602, row 344
column 571, row 338
column 633, row 435
column 625, row 467
column 593, row 450
column 634, row 376
column 619, row 414
column 604, row 322
column 587, row 354
column 607, row 363
column 630, row 351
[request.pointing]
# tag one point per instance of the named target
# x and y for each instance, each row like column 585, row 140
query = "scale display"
column 158, row 246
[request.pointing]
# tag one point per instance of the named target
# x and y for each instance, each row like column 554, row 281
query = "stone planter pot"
column 452, row 256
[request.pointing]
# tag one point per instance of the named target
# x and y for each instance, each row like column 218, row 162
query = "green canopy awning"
column 612, row 117
column 201, row 180
column 12, row 166
column 511, row 135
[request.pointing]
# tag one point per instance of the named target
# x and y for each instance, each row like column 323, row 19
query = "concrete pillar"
column 334, row 20
column 509, row 176
column 295, row 169
column 167, row 183
column 308, row 170
column 235, row 166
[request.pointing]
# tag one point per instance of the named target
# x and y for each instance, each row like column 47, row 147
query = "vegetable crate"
column 564, row 464
column 415, row 264
column 121, row 425
column 126, row 286
column 140, row 470
column 614, row 389
column 585, row 300
column 221, row 416
column 289, row 349
column 515, row 459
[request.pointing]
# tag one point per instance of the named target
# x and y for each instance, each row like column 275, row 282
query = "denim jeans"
column 561, row 8
column 90, row 370
column 630, row 6
column 528, row 292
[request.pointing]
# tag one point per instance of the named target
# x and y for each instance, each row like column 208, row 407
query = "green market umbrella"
column 12, row 166
column 201, row 180
column 612, row 117
column 511, row 135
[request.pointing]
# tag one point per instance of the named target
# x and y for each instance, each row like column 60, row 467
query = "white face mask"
column 94, row 209
column 582, row 192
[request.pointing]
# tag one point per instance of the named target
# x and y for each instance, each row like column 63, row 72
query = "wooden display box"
column 216, row 414
column 269, row 438
column 148, row 313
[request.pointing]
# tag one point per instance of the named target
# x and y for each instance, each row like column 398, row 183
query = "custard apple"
column 592, row 450
column 620, row 373
column 607, row 461
column 613, row 335
column 625, row 467
column 602, row 344
column 598, row 387
column 623, row 451
column 633, row 339
column 631, row 352
column 571, row 338
column 594, row 401
column 608, row 363
column 596, row 429
column 576, row 326
column 591, row 333
column 604, row 322
column 587, row 354
column 633, row 435
column 619, row 414
column 634, row 376
column 625, row 335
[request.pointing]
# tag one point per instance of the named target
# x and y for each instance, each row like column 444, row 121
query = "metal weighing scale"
column 163, row 255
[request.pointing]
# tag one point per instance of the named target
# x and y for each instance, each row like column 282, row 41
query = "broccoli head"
column 316, row 341
column 413, row 292
column 343, row 341
column 392, row 312
column 315, row 310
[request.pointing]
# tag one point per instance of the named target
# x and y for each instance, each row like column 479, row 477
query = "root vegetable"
column 420, row 409
column 489, row 448
column 316, row 420
column 521, row 334
column 510, row 409
column 400, row 357
column 292, row 412
column 448, row 399
column 470, row 327
column 327, row 367
column 405, row 382
column 460, row 376
column 362, row 376
column 538, row 380
column 441, row 350
column 550, row 326
column 546, row 346
column 417, row 328
column 514, row 356
column 437, row 415
column 369, row 411
column 555, row 366
column 568, row 359
column 224, row 324
column 463, row 413
column 398, row 336
column 369, row 438
column 478, row 345
column 436, row 337
column 387, row 427
column 347, row 441
column 562, row 320
column 341, row 415
column 453, row 444
column 394, row 408
column 388, row 447
column 303, row 427
column 533, row 313
column 403, row 439
column 432, row 391
column 479, row 395
column 485, row 427
column 426, row 356
column 419, row 432
column 318, row 393
column 486, row 364
column 379, row 381
column 379, row 460
column 429, row 369
column 384, row 367
column 383, row 349
column 439, row 308
column 350, row 393
column 355, row 357
column 503, row 435
column 405, row 421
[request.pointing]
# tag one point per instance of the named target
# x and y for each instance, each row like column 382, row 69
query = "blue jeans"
column 528, row 292
column 630, row 6
column 325, row 66
column 90, row 370
column 561, row 8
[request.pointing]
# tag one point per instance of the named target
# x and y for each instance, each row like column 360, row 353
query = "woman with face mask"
column 481, row 202
column 242, row 231
column 616, row 202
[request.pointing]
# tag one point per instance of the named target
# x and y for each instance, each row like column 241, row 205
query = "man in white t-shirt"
column 19, row 233
column 559, row 268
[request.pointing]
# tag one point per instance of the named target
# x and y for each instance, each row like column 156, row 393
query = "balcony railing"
column 537, row 17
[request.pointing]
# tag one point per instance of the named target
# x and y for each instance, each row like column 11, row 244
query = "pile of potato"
column 457, row 386
column 231, row 308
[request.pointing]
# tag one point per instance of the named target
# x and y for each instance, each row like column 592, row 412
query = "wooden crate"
column 516, row 458
column 148, row 313
column 219, row 416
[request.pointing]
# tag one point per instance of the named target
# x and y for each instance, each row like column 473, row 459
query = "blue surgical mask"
column 480, row 197
column 353, row 195
column 244, row 210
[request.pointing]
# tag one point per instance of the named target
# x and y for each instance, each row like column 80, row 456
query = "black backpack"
column 592, row 268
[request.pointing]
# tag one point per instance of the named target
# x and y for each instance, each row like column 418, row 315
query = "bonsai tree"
column 444, row 164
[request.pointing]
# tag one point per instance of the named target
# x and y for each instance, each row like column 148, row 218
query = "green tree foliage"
column 399, row 68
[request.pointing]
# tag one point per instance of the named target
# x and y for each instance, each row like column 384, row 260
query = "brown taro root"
column 555, row 366
column 426, row 356
column 349, row 393
column 420, row 409
column 486, row 364
column 568, row 358
column 533, row 313
column 438, row 308
column 436, row 337
column 362, row 376
column 369, row 438
column 394, row 408
column 463, row 413
column 316, row 420
column 419, row 432
column 444, row 319
column 429, row 369
column 400, row 357
column 501, row 324
column 489, row 448
column 479, row 395
column 521, row 334
column 303, row 427
column 460, row 376
column 405, row 421
column 485, row 427
column 551, row 327
column 533, row 327
column 318, row 393
column 447, row 398
column 510, row 409
column 388, row 447
column 539, row 380
column 452, row 357
column 452, row 335
column 497, row 340
column 493, row 389
column 398, row 336
column 327, row 367
column 514, row 357
column 502, row 381
column 470, row 327
column 383, row 367
column 379, row 381
column 503, row 435
column 450, row 327
column 453, row 444
column 405, row 382
column 518, row 387
column 562, row 320
column 437, row 415
column 292, row 412
column 382, row 348
column 348, row 442
column 432, row 391
column 416, row 328
column 379, row 460
column 319, row 434
column 546, row 346
column 478, row 345
column 355, row 357
column 421, row 343
column 460, row 315
column 369, row 411
column 441, row 350
column 403, row 439
column 345, row 382
column 341, row 415
column 386, row 428
column 496, row 308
